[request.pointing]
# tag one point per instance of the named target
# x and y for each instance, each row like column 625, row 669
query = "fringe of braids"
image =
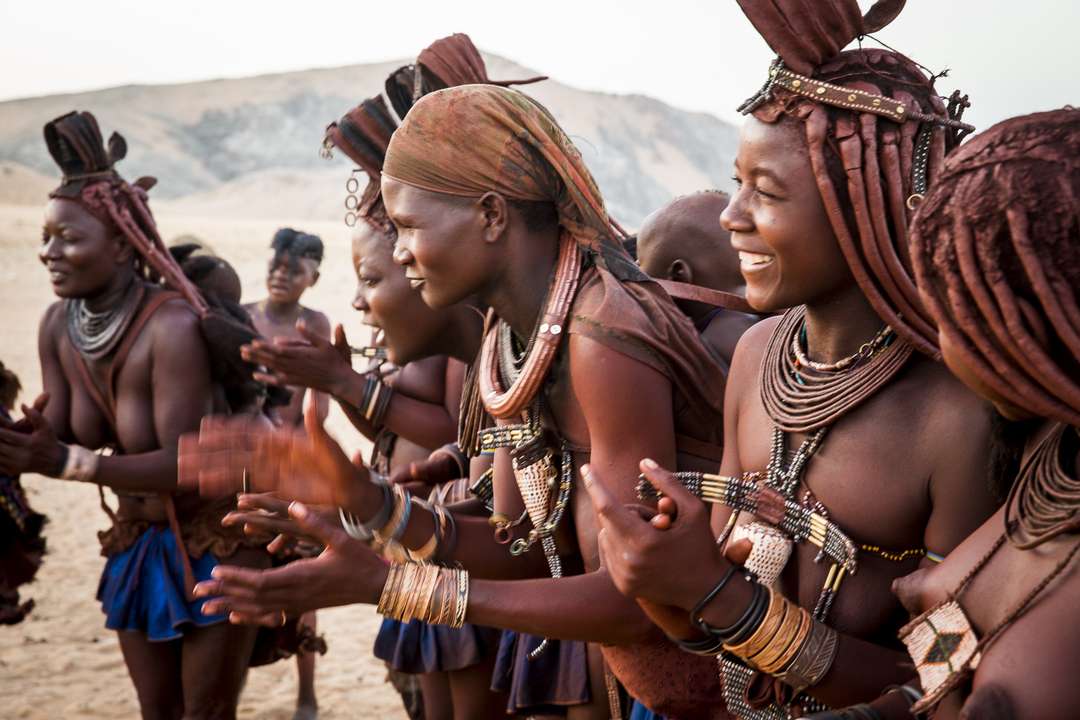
column 867, row 167
column 996, row 251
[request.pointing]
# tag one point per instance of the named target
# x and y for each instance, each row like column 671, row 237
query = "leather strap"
column 696, row 293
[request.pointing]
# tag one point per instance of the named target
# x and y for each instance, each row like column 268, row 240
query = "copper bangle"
column 780, row 640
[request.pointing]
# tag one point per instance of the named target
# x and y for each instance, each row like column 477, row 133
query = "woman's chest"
column 111, row 407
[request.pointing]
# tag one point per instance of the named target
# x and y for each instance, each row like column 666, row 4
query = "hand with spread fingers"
column 313, row 362
column 670, row 558
column 266, row 515
column 346, row 572
column 29, row 445
column 308, row 466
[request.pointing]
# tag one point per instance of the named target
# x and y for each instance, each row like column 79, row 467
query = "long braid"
column 996, row 251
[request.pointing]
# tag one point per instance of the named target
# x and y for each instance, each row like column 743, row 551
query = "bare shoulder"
column 948, row 408
column 174, row 327
column 53, row 319
column 317, row 321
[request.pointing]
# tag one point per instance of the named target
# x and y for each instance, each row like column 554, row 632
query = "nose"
column 402, row 255
column 50, row 250
column 360, row 303
column 735, row 217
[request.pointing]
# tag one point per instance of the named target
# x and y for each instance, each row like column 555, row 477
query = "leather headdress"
column 75, row 143
column 877, row 134
column 447, row 62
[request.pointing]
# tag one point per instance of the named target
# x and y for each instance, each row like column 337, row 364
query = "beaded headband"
column 862, row 101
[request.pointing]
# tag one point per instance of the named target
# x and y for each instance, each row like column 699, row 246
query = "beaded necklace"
column 510, row 401
column 96, row 334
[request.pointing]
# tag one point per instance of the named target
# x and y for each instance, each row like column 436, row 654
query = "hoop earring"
column 352, row 199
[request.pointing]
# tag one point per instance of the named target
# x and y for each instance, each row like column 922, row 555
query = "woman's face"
column 954, row 359
column 411, row 330
column 788, row 252
column 81, row 254
column 440, row 242
column 288, row 277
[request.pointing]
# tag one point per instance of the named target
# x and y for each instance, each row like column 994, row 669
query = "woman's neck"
column 112, row 294
column 837, row 327
column 518, row 293
column 463, row 337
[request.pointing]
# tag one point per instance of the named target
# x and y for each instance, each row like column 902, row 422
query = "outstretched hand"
column 313, row 362
column 29, row 444
column 267, row 516
column 307, row 466
column 665, row 558
column 346, row 572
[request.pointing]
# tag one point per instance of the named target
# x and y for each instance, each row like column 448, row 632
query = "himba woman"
column 126, row 358
column 850, row 459
column 996, row 248
column 455, row 665
column 490, row 198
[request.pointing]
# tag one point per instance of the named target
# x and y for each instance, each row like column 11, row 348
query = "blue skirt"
column 555, row 680
column 640, row 712
column 416, row 647
column 142, row 588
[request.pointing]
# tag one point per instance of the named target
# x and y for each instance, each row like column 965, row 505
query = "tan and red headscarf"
column 470, row 140
column 877, row 134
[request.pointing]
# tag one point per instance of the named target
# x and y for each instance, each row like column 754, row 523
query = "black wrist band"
column 708, row 646
column 695, row 612
column 731, row 632
column 761, row 607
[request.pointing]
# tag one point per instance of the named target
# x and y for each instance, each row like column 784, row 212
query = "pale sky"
column 1011, row 57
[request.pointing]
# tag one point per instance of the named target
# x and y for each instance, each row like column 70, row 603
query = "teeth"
column 753, row 259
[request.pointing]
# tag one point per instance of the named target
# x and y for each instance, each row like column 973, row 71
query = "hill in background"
column 249, row 147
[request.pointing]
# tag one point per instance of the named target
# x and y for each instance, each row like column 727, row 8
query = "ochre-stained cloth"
column 473, row 139
column 996, row 249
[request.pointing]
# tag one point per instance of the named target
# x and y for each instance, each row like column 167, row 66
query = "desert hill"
column 249, row 147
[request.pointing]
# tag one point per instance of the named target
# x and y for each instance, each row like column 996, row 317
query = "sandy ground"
column 61, row 662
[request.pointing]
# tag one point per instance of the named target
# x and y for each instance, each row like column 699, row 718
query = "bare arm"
column 53, row 382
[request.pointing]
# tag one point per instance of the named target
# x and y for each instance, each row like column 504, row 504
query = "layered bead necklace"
column 95, row 334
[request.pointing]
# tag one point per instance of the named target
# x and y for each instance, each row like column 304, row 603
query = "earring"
column 352, row 200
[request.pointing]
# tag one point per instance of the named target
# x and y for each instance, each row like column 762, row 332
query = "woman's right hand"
column 265, row 514
column 313, row 362
column 308, row 465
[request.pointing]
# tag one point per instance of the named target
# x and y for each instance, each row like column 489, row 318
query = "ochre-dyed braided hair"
column 996, row 250
column 877, row 134
column 363, row 134
column 75, row 143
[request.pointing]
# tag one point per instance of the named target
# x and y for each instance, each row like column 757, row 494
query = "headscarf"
column 877, row 134
column 447, row 62
column 996, row 250
column 474, row 139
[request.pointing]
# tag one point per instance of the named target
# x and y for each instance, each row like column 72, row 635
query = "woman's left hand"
column 346, row 572
column 668, row 559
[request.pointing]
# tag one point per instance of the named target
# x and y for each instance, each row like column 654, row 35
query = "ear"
column 495, row 212
column 679, row 270
column 122, row 250
column 315, row 277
